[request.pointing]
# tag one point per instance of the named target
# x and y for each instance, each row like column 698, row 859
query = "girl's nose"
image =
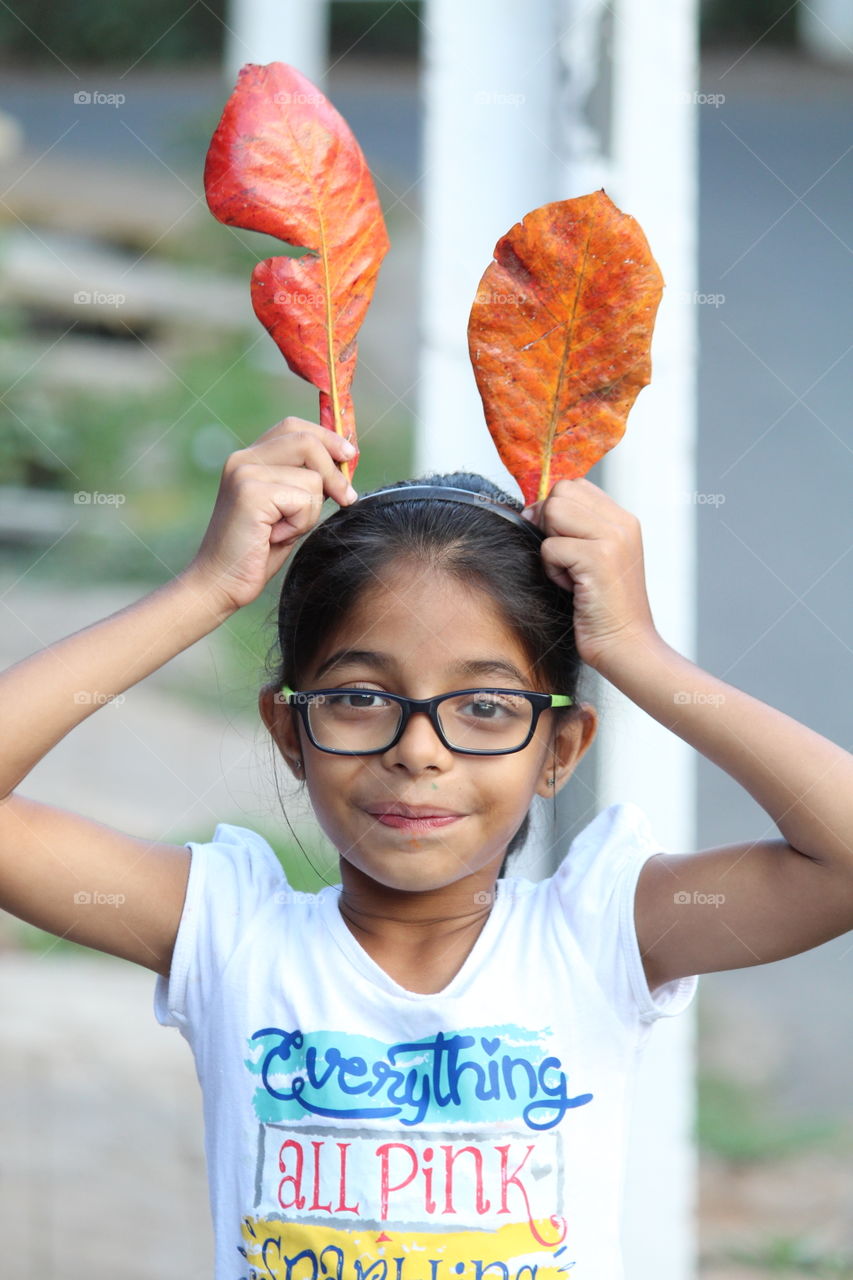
column 419, row 746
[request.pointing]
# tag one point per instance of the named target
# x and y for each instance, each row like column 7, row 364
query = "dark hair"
column 344, row 555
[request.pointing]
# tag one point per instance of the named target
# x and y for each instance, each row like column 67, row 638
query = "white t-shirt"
column 358, row 1130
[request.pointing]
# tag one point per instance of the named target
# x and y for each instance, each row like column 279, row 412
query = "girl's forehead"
column 415, row 613
column 411, row 590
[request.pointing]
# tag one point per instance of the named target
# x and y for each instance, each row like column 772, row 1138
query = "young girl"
column 423, row 1072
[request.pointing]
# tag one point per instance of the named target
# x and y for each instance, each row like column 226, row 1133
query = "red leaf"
column 559, row 337
column 284, row 162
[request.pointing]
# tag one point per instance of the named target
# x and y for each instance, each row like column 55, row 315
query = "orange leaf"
column 559, row 337
column 284, row 162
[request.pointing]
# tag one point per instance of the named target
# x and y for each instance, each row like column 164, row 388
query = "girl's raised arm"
column 742, row 904
column 270, row 495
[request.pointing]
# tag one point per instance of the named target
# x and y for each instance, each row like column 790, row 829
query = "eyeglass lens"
column 366, row 721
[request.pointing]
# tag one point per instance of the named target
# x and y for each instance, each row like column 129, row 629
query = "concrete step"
column 131, row 205
column 75, row 279
column 95, row 365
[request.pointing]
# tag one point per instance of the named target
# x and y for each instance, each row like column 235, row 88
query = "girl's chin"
column 408, row 873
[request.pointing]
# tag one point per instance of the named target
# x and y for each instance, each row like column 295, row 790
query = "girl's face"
column 421, row 626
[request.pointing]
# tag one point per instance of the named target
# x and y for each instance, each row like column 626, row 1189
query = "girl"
column 423, row 1073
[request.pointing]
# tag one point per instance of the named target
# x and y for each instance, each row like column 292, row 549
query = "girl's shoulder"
column 240, row 847
column 584, row 914
column 619, row 837
column 239, row 865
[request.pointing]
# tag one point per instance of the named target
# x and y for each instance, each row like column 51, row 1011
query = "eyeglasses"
column 363, row 722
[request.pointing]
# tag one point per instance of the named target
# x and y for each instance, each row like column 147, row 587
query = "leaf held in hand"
column 559, row 337
column 284, row 162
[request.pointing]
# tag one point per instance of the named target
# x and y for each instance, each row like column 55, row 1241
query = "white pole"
column 488, row 84
column 292, row 31
column 652, row 473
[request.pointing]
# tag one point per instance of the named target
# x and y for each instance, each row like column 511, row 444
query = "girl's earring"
column 551, row 782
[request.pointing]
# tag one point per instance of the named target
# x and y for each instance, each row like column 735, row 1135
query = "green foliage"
column 98, row 32
column 788, row 1256
column 736, row 1122
column 41, row 943
column 163, row 453
column 771, row 21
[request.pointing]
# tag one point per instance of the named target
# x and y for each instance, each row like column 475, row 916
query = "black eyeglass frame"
column 540, row 702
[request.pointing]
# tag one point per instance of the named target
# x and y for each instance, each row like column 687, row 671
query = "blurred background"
column 131, row 364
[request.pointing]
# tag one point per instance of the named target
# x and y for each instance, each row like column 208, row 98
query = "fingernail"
column 350, row 449
column 351, row 494
column 527, row 514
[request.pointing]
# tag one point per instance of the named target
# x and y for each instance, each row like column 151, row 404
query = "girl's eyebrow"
column 472, row 668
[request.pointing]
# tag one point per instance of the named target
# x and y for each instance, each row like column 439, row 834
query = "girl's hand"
column 270, row 495
column 593, row 548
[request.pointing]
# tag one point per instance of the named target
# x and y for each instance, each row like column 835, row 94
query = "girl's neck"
column 421, row 940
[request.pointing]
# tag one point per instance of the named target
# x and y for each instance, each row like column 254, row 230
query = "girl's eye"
column 357, row 699
column 364, row 699
column 492, row 707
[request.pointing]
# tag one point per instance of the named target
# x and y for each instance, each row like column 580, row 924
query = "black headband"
column 442, row 494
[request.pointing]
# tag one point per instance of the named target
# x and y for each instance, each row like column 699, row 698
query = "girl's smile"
column 413, row 823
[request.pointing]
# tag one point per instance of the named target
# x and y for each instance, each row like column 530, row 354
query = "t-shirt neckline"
column 364, row 962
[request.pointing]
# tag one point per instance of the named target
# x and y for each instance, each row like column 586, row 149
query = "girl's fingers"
column 295, row 444
column 337, row 446
column 302, row 509
column 578, row 508
column 270, row 494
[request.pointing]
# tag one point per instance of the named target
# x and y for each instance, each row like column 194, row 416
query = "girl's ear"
column 569, row 743
column 281, row 720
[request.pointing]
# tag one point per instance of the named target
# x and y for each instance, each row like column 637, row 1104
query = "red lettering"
column 342, row 1193
column 429, row 1203
column 450, row 1156
column 295, row 1179
column 385, row 1186
column 513, row 1180
column 324, row 1208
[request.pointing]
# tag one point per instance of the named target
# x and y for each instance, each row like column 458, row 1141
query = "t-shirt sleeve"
column 232, row 879
column 596, row 885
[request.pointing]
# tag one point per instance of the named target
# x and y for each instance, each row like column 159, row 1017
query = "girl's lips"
column 425, row 823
